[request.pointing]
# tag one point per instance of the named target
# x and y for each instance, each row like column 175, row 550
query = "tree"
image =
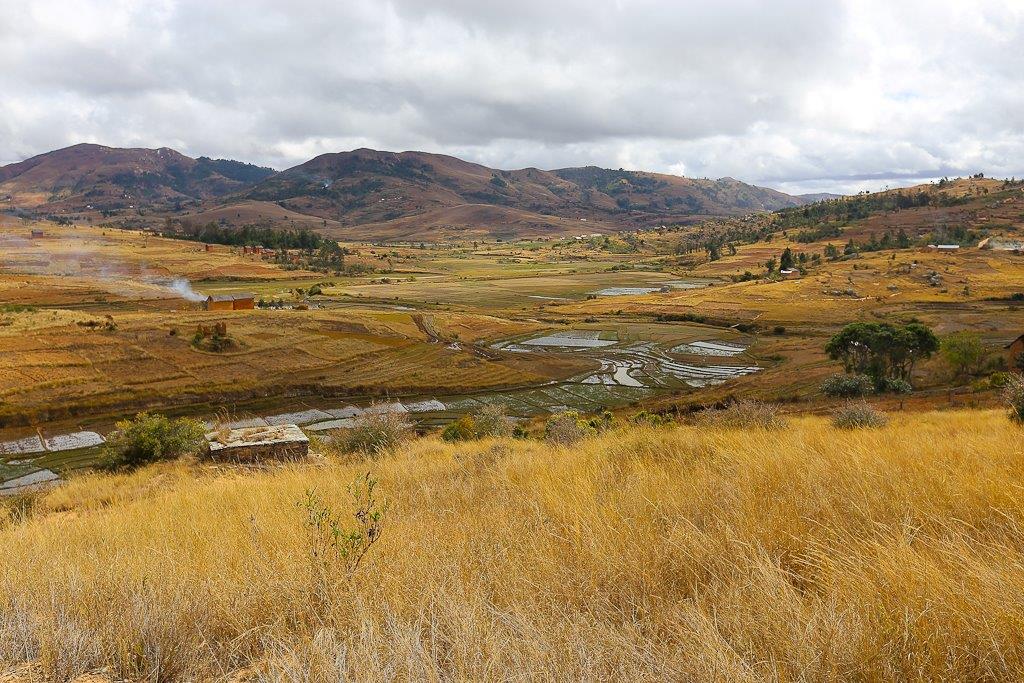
column 963, row 351
column 902, row 240
column 786, row 262
column 881, row 350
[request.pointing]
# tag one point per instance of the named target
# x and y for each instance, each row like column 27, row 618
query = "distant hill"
column 819, row 196
column 110, row 178
column 378, row 193
column 961, row 211
column 370, row 194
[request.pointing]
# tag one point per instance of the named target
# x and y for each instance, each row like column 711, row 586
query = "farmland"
column 98, row 323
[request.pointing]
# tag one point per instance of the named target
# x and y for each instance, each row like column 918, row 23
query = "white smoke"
column 183, row 288
column 78, row 257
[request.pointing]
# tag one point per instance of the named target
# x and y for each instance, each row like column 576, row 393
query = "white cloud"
column 801, row 96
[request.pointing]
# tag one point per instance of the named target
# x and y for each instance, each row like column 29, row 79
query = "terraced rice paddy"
column 707, row 348
column 667, row 286
column 629, row 363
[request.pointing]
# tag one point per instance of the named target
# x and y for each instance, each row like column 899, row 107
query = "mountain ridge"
column 86, row 176
column 374, row 194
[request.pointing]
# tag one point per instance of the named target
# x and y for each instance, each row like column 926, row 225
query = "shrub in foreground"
column 491, row 421
column 375, row 432
column 463, row 429
column 1014, row 394
column 149, row 438
column 847, row 386
column 859, row 416
column 567, row 428
column 745, row 414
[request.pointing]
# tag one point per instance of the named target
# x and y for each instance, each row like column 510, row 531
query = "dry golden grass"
column 687, row 553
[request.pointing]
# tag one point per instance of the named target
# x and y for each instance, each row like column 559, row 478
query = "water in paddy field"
column 666, row 286
column 628, row 367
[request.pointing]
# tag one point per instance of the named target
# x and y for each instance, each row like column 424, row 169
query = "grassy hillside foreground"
column 685, row 553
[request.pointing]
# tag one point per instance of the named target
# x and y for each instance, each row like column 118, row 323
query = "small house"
column 36, row 234
column 219, row 302
column 231, row 302
column 1015, row 353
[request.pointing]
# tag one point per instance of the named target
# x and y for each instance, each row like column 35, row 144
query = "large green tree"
column 963, row 351
column 882, row 350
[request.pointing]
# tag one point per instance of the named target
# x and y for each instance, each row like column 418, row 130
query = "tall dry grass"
column 685, row 553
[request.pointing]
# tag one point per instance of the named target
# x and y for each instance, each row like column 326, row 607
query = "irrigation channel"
column 630, row 363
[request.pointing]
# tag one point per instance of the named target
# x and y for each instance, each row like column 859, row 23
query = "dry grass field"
column 683, row 553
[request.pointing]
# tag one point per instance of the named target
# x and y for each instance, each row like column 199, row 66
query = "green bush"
column 1014, row 395
column 149, row 438
column 999, row 380
column 649, row 419
column 463, row 429
column 895, row 385
column 858, row 416
column 847, row 386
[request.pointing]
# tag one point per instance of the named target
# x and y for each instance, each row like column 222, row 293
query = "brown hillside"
column 88, row 176
column 470, row 221
column 371, row 188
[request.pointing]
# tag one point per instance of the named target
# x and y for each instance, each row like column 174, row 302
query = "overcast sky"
column 802, row 96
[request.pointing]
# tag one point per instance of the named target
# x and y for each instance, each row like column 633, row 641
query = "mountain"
column 413, row 194
column 108, row 178
column 370, row 194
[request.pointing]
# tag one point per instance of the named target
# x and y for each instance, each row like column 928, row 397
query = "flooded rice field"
column 628, row 362
column 692, row 283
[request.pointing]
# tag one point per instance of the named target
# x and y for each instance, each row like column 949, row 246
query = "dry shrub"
column 375, row 432
column 746, row 414
column 1014, row 395
column 855, row 415
column 565, row 429
column 493, row 421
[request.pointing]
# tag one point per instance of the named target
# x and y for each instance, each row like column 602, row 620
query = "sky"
column 803, row 96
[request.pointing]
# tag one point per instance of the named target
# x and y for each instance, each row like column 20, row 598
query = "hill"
column 370, row 194
column 384, row 191
column 819, row 196
column 680, row 553
column 93, row 177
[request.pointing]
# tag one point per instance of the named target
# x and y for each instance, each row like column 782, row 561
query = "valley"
column 98, row 322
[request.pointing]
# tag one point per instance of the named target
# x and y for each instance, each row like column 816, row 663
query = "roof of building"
column 256, row 436
column 1014, row 341
column 231, row 297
